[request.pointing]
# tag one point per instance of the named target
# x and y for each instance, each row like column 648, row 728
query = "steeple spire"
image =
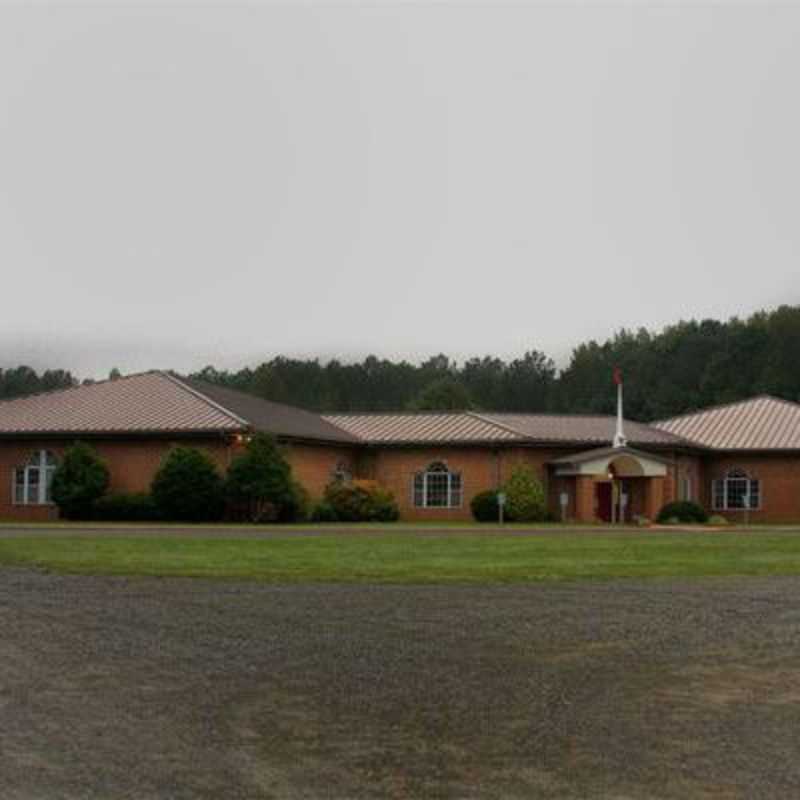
column 619, row 436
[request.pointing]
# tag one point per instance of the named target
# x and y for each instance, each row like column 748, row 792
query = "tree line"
column 690, row 365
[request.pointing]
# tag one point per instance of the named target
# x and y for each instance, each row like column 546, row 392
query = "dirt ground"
column 122, row 688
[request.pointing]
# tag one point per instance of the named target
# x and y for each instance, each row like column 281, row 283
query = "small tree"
column 79, row 481
column 525, row 500
column 260, row 480
column 187, row 487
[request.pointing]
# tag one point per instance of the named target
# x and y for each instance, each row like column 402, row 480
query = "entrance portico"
column 614, row 484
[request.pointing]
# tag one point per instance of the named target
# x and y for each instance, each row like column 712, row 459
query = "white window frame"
column 45, row 462
column 455, row 487
column 734, row 476
column 687, row 488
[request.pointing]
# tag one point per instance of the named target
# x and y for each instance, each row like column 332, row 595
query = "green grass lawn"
column 399, row 558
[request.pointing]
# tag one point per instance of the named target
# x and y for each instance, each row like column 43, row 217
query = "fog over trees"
column 684, row 367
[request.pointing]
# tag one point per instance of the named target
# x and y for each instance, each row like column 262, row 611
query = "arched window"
column 33, row 483
column 437, row 487
column 736, row 491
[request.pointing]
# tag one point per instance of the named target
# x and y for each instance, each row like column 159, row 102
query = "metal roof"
column 275, row 418
column 580, row 429
column 157, row 402
column 150, row 402
column 423, row 428
column 761, row 423
column 472, row 427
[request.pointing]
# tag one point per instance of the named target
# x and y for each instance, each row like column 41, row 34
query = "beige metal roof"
column 762, row 423
column 473, row 427
column 147, row 403
column 423, row 428
column 579, row 429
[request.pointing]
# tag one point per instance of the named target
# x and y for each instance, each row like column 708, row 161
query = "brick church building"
column 737, row 459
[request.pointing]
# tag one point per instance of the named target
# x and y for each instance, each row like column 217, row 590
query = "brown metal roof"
column 275, row 418
column 147, row 403
column 762, row 423
column 423, row 428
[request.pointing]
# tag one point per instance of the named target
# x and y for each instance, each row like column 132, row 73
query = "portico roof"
column 626, row 462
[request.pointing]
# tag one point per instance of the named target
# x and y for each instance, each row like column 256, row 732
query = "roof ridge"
column 729, row 404
column 82, row 385
column 395, row 413
column 249, row 395
column 489, row 421
column 200, row 396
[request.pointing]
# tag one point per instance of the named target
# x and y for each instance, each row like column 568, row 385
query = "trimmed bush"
column 525, row 500
column 188, row 488
column 126, row 507
column 361, row 501
column 79, row 481
column 296, row 507
column 485, row 507
column 682, row 511
column 259, row 483
column 717, row 519
column 324, row 512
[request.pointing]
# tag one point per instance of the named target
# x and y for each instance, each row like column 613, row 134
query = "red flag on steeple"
column 617, row 376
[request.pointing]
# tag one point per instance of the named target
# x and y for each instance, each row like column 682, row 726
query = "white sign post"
column 563, row 500
column 501, row 504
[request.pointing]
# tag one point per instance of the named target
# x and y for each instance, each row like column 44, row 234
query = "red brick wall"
column 481, row 468
column 314, row 465
column 780, row 485
column 132, row 464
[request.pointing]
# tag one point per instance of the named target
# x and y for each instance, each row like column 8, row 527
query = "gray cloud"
column 191, row 184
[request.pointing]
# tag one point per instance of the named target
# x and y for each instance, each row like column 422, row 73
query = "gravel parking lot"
column 146, row 688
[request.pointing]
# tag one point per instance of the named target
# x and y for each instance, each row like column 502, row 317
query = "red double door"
column 605, row 498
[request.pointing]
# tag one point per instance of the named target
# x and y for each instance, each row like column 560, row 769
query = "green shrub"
column 126, row 507
column 79, row 481
column 717, row 519
column 485, row 507
column 682, row 511
column 642, row 521
column 361, row 501
column 296, row 506
column 324, row 512
column 188, row 488
column 525, row 500
column 259, row 483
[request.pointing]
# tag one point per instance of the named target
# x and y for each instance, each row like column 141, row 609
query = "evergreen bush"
column 259, row 483
column 683, row 511
column 525, row 499
column 485, row 507
column 126, row 507
column 188, row 488
column 79, row 481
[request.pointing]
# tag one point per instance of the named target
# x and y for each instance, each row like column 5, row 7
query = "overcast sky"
column 185, row 185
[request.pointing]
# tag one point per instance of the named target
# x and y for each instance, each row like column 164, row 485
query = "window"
column 437, row 487
column 736, row 491
column 686, row 492
column 33, row 483
column 341, row 473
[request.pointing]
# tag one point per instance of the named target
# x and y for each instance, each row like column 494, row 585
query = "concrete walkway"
column 9, row 530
